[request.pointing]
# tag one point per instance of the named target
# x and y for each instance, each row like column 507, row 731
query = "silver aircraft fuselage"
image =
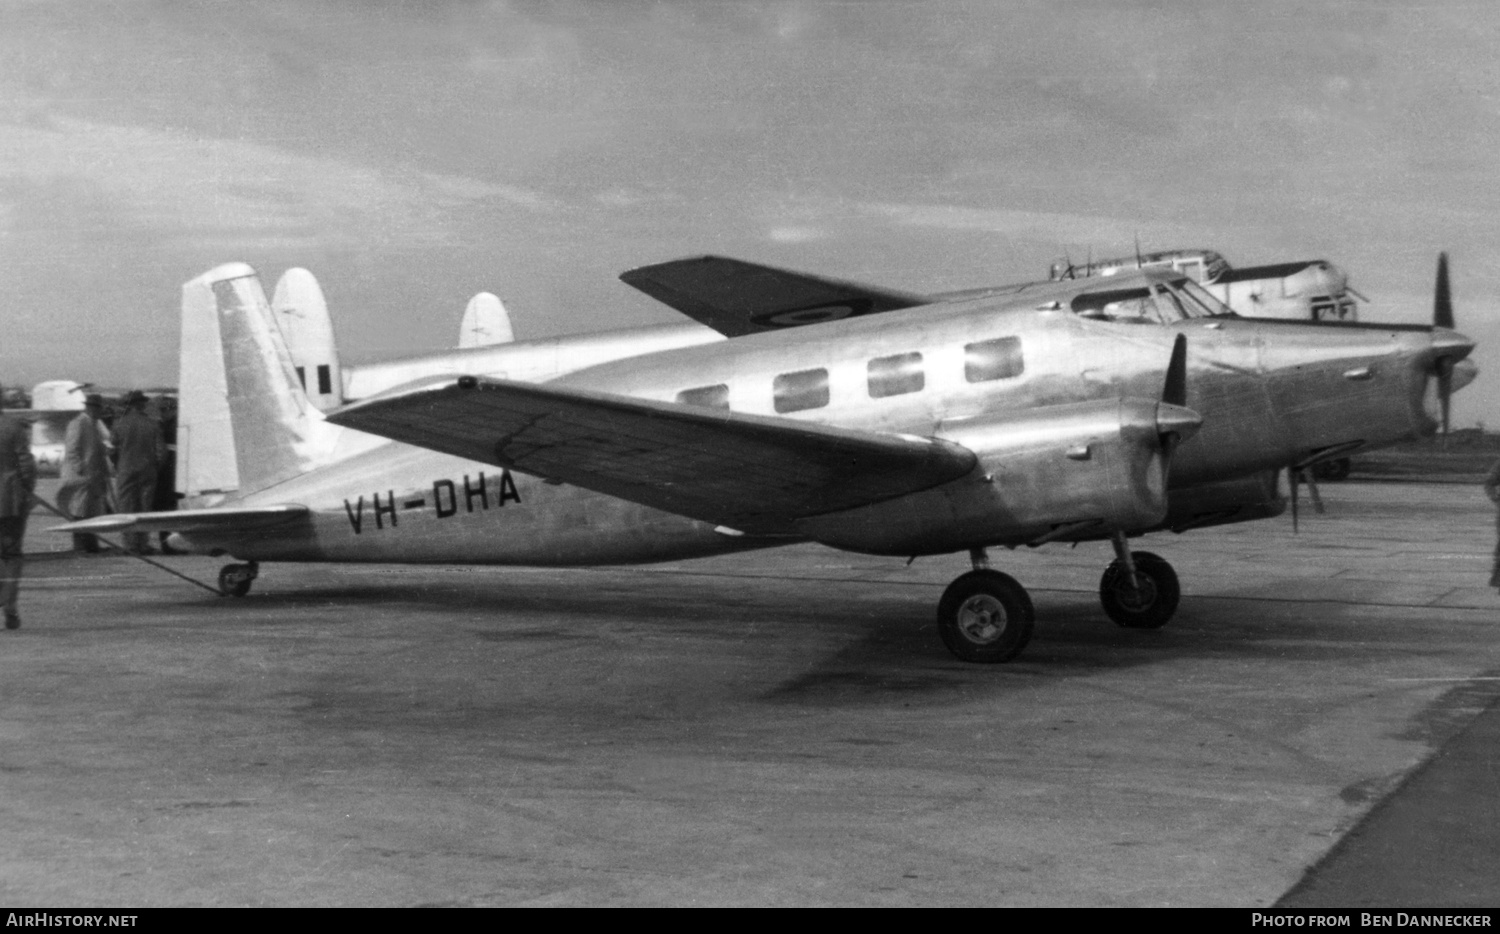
column 1271, row 394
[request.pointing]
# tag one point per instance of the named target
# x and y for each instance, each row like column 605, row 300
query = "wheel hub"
column 1137, row 599
column 982, row 619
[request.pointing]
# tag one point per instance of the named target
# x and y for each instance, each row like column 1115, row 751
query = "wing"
column 752, row 473
column 230, row 519
column 737, row 298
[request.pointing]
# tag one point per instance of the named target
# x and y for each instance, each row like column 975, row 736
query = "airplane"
column 1303, row 290
column 863, row 418
column 54, row 403
column 485, row 323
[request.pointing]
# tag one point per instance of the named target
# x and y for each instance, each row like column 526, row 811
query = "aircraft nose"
column 1464, row 373
column 1177, row 419
column 1450, row 344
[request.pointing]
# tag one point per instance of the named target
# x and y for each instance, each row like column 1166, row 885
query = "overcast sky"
column 411, row 154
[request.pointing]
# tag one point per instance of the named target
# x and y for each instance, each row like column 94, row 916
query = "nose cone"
column 1451, row 344
column 1177, row 419
column 1464, row 372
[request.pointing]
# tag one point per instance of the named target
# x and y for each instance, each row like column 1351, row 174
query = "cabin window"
column 896, row 375
column 708, row 397
column 804, row 389
column 997, row 359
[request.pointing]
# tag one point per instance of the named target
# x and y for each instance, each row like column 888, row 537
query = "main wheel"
column 1332, row 471
column 985, row 616
column 1150, row 603
column 234, row 579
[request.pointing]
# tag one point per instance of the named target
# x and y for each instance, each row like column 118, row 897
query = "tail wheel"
column 985, row 617
column 234, row 579
column 1153, row 599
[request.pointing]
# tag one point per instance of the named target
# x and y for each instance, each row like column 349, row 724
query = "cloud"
column 1039, row 225
column 191, row 189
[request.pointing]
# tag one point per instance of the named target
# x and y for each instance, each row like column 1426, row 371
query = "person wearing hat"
column 17, row 481
column 84, row 492
column 138, row 448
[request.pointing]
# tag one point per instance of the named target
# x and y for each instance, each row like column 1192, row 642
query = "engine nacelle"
column 1239, row 500
column 1059, row 473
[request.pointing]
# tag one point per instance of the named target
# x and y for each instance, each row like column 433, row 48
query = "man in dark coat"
column 17, row 481
column 84, row 492
column 137, row 452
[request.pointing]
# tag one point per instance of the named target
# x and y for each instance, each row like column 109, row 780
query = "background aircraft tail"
column 485, row 322
column 245, row 423
column 301, row 314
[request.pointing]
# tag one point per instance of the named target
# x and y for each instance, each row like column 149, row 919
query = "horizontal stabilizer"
column 188, row 520
column 736, row 298
column 749, row 472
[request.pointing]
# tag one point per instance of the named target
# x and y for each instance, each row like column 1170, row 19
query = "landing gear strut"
column 985, row 616
column 234, row 579
column 1138, row 590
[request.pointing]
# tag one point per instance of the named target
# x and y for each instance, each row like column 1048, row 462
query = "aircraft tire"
column 1150, row 607
column 1332, row 471
column 985, row 617
column 235, row 579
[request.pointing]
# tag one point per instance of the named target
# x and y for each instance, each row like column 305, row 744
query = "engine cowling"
column 1058, row 473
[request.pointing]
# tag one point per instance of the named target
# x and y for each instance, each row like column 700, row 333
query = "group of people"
column 130, row 453
column 123, row 459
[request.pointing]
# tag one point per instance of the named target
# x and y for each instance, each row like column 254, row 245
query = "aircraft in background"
column 867, row 419
column 54, row 404
column 1305, row 290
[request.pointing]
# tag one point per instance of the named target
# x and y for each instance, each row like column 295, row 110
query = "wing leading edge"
column 754, row 473
column 736, row 298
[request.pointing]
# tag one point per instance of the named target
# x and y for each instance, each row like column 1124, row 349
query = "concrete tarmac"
column 777, row 728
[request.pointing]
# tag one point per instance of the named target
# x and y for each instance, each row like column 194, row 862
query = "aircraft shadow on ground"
column 868, row 641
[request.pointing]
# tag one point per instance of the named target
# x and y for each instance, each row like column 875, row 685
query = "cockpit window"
column 1134, row 304
column 1153, row 303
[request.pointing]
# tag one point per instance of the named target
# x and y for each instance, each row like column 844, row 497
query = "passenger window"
column 708, row 397
column 804, row 389
column 997, row 359
column 896, row 375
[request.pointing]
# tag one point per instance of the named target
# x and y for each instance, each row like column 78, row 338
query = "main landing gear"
column 1140, row 590
column 987, row 617
column 234, row 579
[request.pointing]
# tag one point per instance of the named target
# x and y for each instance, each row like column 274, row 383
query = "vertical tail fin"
column 485, row 322
column 302, row 315
column 245, row 423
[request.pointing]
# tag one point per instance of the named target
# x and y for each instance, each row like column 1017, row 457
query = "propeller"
column 1442, row 317
column 1174, row 420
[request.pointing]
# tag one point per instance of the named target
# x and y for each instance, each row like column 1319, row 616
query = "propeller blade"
column 1292, row 473
column 1312, row 491
column 1174, row 392
column 1442, row 297
column 1445, row 390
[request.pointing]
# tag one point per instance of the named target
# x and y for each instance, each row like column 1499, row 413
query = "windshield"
column 1152, row 303
column 1195, row 294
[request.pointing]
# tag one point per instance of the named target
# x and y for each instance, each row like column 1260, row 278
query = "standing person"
column 165, row 499
column 1492, row 490
column 137, row 453
column 17, row 481
column 85, row 472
